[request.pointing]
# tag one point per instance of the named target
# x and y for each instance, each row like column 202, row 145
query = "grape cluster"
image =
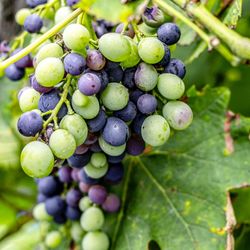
column 89, row 103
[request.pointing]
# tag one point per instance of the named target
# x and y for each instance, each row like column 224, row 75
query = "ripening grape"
column 21, row 15
column 169, row 33
column 53, row 239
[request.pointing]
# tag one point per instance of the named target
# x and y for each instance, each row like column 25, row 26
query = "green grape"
column 92, row 219
column 155, row 130
column 94, row 172
column 29, row 99
column 80, row 99
column 85, row 203
column 62, row 13
column 147, row 30
column 76, row 125
column 62, row 143
column 111, row 150
column 151, row 50
column 49, row 72
column 98, row 160
column 37, row 159
column 49, row 50
column 88, row 111
column 178, row 114
column 76, row 37
column 170, row 86
column 134, row 58
column 95, row 241
column 115, row 96
column 114, row 47
column 76, row 231
column 21, row 15
column 39, row 212
column 53, row 239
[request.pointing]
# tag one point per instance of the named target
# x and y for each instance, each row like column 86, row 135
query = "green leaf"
column 188, row 35
column 177, row 195
column 233, row 13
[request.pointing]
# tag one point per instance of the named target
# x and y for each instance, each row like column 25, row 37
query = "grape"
column 76, row 37
column 79, row 161
column 135, row 145
column 151, row 50
column 97, row 194
column 49, row 50
column 41, row 198
column 79, row 99
column 146, row 77
column 115, row 132
column 73, row 213
column 62, row 144
column 76, row 231
column 169, row 33
column 98, row 122
column 39, row 212
column 170, row 86
column 92, row 219
column 153, row 16
column 64, row 174
column 147, row 30
column 74, row 174
column 84, row 188
column 73, row 197
column 147, row 104
column 60, row 218
column 114, row 47
column 72, row 2
column 24, row 62
column 128, row 113
column 129, row 31
column 82, row 149
column 21, row 15
column 95, row 59
column 50, row 186
column 128, row 78
column 176, row 67
column 111, row 204
column 98, row 160
column 115, row 173
column 53, row 239
column 178, row 114
column 28, row 99
column 89, row 84
column 14, row 73
column 95, row 147
column 36, row 86
column 102, row 75
column 86, row 179
column 62, row 13
column 34, row 3
column 37, row 159
column 134, row 95
column 111, row 150
column 30, row 123
column 94, row 172
column 155, row 130
column 33, row 23
column 95, row 241
column 85, row 203
column 137, row 123
column 76, row 125
column 74, row 64
column 55, row 205
column 115, row 96
column 114, row 71
column 116, row 159
column 49, row 72
column 166, row 58
column 90, row 110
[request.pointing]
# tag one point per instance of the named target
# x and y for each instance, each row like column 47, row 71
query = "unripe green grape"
column 76, row 37
column 34, row 37
column 80, row 99
column 147, row 30
column 85, row 203
column 29, row 99
column 111, row 150
column 49, row 72
column 170, row 86
column 21, row 15
column 114, row 47
column 53, row 239
column 151, row 50
column 37, row 159
column 62, row 13
column 115, row 96
column 178, row 114
column 49, row 50
column 95, row 241
column 76, row 231
column 88, row 111
column 92, row 219
column 62, row 143
column 40, row 213
column 155, row 130
column 98, row 160
column 96, row 173
column 76, row 125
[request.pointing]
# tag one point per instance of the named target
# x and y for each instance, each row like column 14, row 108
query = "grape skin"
column 95, row 241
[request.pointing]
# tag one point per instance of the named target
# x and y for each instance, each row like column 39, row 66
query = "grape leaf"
column 178, row 194
column 233, row 13
column 188, row 35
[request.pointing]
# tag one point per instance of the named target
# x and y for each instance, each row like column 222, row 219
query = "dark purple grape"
column 34, row 3
column 176, row 67
column 86, row 179
column 115, row 132
column 166, row 59
column 89, row 84
column 135, row 145
column 95, row 147
column 111, row 204
column 72, row 2
column 79, row 161
column 72, row 197
column 91, row 139
column 36, row 86
column 97, row 194
column 134, row 95
column 41, row 198
column 128, row 78
column 30, row 123
column 60, row 218
column 116, row 159
column 73, row 213
column 50, row 186
column 24, row 62
column 74, row 64
column 82, row 149
column 55, row 205
column 169, row 33
column 114, row 71
column 153, row 16
column 95, row 60
column 33, row 23
column 128, row 32
column 102, row 75
column 14, row 73
column 115, row 173
column 137, row 123
column 128, row 113
column 97, row 124
column 84, row 187
column 64, row 174
column 147, row 104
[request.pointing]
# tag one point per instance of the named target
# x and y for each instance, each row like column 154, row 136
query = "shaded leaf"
column 199, row 49
column 233, row 13
column 188, row 35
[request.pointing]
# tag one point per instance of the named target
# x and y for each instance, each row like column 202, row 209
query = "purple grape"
column 128, row 32
column 86, row 179
column 114, row 174
column 169, row 33
column 89, row 84
column 102, row 75
column 36, row 86
column 24, row 62
column 72, row 2
column 55, row 205
column 33, row 23
column 50, row 186
column 134, row 95
column 82, row 149
column 137, row 123
column 97, row 194
column 60, row 218
column 91, row 139
column 135, row 145
column 41, row 198
column 64, row 174
column 34, row 3
column 128, row 78
column 97, row 124
column 116, row 159
column 73, row 213
column 30, row 123
column 79, row 161
column 95, row 147
column 75, row 174
column 128, row 113
column 14, row 73
column 84, row 187
column 111, row 204
column 114, row 71
column 72, row 197
column 95, row 60
column 176, row 67
column 147, row 104
column 153, row 16
column 74, row 64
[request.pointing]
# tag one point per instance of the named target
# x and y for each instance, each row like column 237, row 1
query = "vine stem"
column 40, row 40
